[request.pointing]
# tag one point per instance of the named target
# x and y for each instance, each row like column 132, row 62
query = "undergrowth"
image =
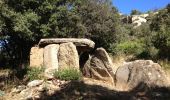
column 68, row 74
column 35, row 73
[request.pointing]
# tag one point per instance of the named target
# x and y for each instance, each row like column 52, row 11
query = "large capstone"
column 81, row 44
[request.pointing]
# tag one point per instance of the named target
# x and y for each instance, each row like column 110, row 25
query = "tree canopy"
column 24, row 22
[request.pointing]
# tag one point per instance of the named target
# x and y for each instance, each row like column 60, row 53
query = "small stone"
column 49, row 82
column 37, row 97
column 77, row 92
column 25, row 91
column 58, row 81
column 58, row 84
column 62, row 82
column 35, row 83
column 18, row 89
column 41, row 88
column 51, row 92
column 15, row 90
column 26, row 94
column 2, row 93
column 149, row 74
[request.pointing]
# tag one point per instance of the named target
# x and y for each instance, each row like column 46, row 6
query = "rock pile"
column 35, row 89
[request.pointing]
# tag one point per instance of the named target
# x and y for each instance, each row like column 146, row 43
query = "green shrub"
column 68, row 74
column 130, row 47
column 35, row 73
column 149, row 53
column 164, row 63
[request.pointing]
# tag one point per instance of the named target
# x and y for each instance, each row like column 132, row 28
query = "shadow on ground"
column 81, row 91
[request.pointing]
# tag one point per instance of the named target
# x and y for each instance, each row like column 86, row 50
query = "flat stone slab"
column 79, row 42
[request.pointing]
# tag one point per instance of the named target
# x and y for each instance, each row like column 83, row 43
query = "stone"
column 49, row 73
column 51, row 60
column 86, row 67
column 41, row 88
column 105, row 58
column 81, row 43
column 99, row 66
column 35, row 83
column 122, row 76
column 26, row 93
column 36, row 57
column 99, row 71
column 139, row 72
column 137, row 20
column 68, row 56
column 50, row 56
column 18, row 89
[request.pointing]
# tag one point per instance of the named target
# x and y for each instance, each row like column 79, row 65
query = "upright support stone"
column 101, row 54
column 68, row 56
column 36, row 57
column 99, row 66
column 51, row 59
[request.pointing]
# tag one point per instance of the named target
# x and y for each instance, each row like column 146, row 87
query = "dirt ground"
column 90, row 89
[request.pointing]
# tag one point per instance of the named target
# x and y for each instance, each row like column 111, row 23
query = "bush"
column 164, row 63
column 68, row 74
column 130, row 47
column 149, row 53
column 35, row 73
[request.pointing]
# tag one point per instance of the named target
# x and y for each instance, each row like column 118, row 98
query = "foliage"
column 68, row 74
column 35, row 73
column 135, row 12
column 164, row 63
column 160, row 25
column 137, row 41
column 25, row 22
column 130, row 47
column 100, row 24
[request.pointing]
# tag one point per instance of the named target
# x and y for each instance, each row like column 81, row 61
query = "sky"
column 125, row 6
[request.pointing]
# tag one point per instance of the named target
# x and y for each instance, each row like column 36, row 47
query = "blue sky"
column 125, row 6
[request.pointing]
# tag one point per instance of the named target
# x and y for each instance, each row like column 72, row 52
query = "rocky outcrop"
column 133, row 74
column 137, row 20
column 99, row 66
column 51, row 59
column 83, row 43
column 68, row 56
column 36, row 57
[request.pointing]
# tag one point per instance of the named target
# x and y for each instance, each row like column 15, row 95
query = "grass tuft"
column 68, row 74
